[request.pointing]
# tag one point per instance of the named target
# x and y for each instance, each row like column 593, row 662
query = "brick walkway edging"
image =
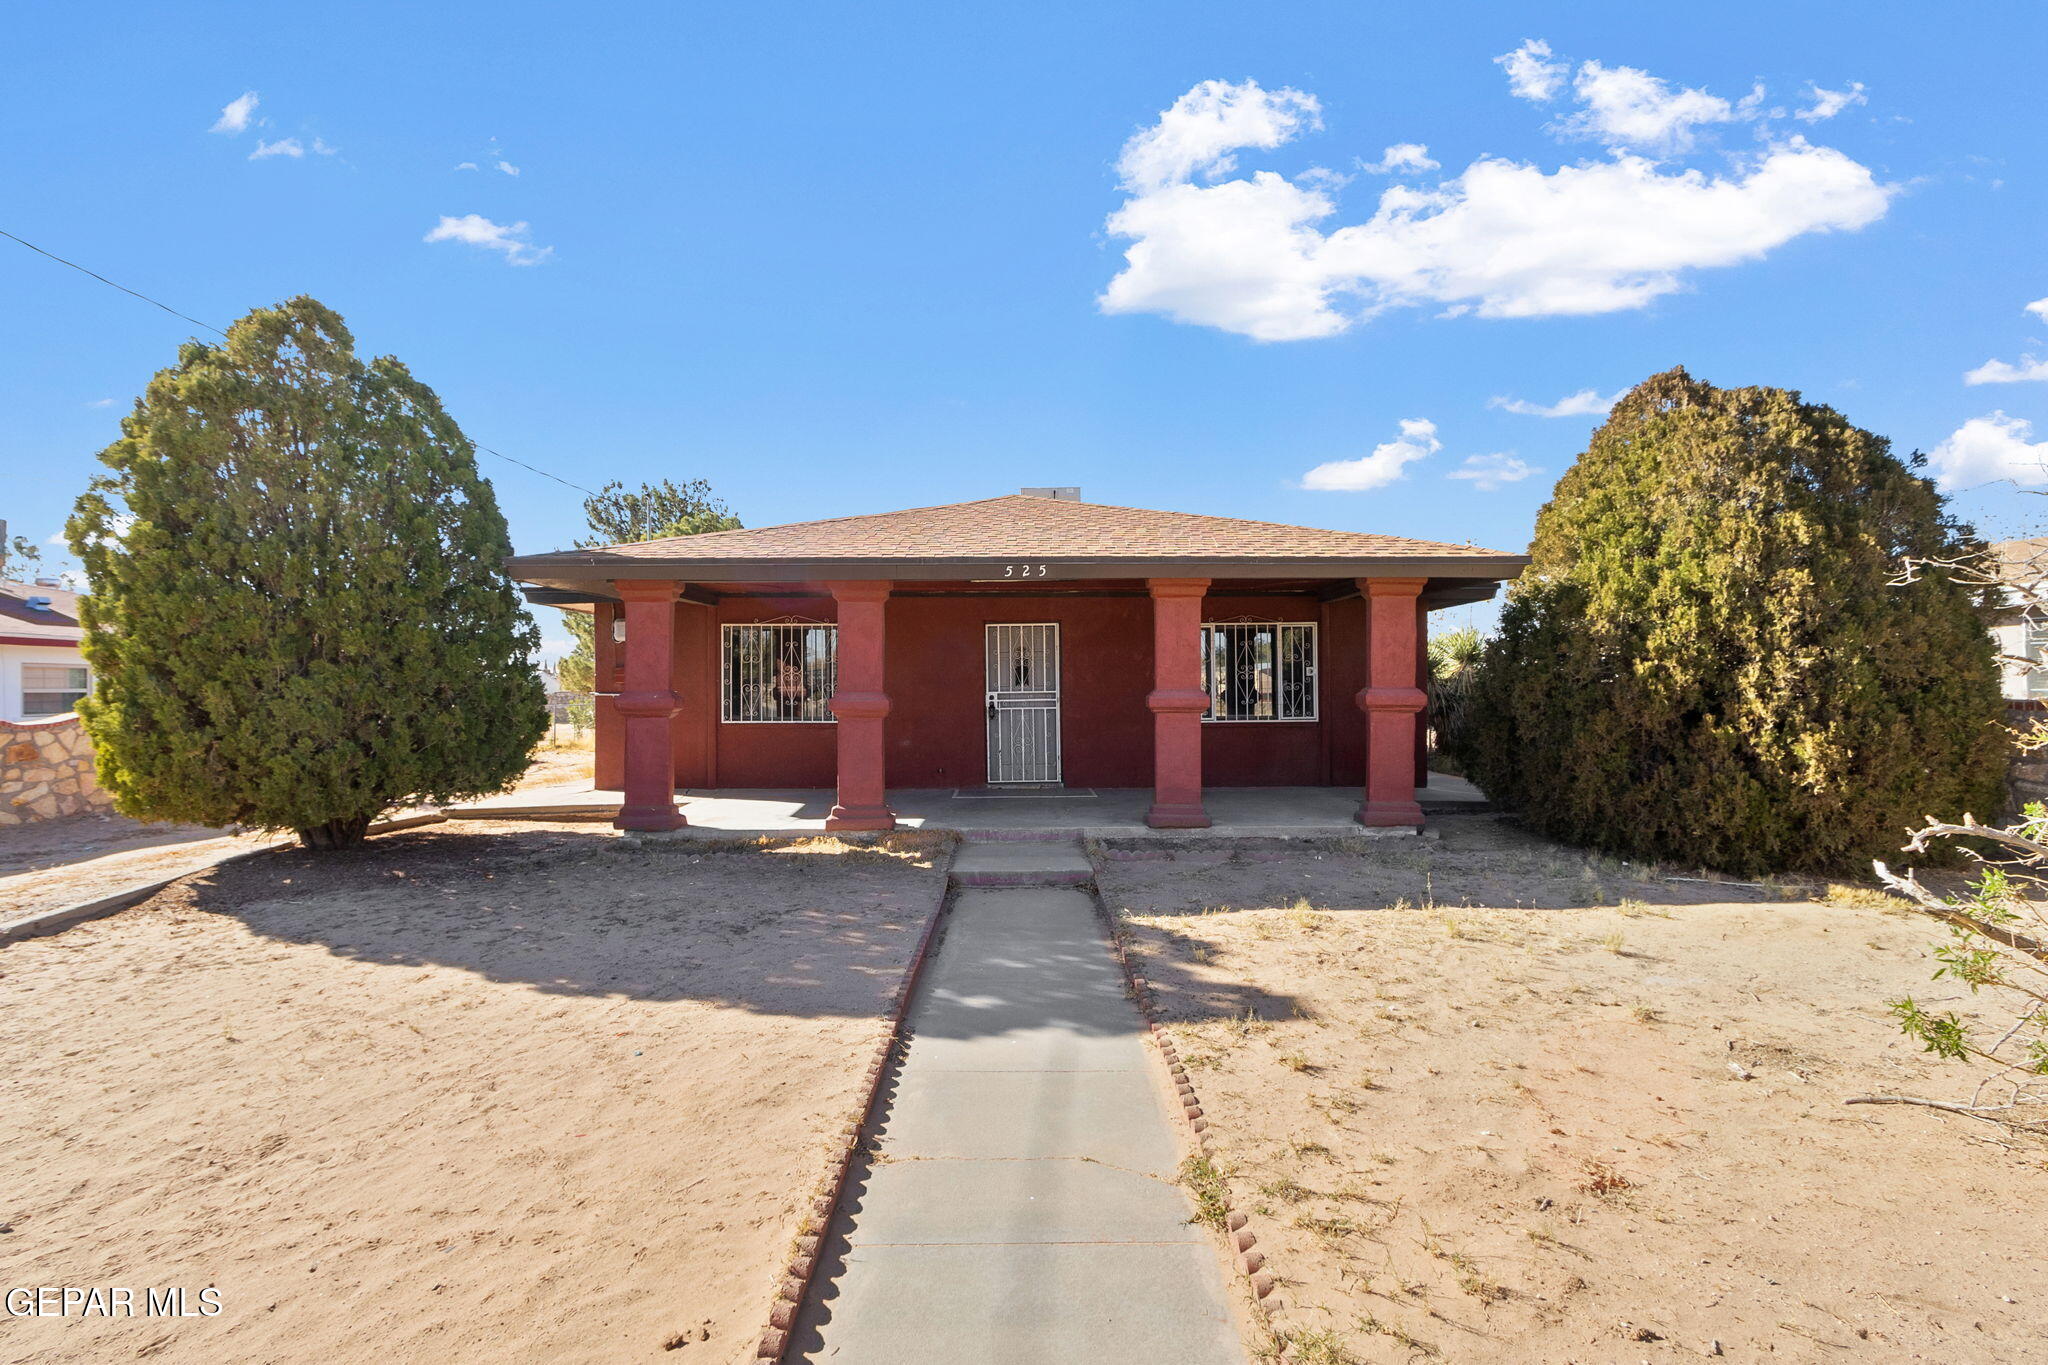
column 1237, row 1231
column 824, row 1202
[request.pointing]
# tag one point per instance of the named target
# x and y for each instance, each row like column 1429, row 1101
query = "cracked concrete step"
column 1014, row 863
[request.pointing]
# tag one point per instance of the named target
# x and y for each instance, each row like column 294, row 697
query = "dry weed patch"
column 1503, row 1113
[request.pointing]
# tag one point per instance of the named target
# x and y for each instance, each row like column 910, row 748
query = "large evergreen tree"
column 619, row 516
column 298, row 615
column 1712, row 657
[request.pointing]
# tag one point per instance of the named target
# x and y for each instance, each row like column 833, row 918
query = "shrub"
column 1454, row 659
column 1718, row 656
column 298, row 615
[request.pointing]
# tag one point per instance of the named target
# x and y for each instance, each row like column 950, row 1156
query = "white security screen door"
column 1023, row 703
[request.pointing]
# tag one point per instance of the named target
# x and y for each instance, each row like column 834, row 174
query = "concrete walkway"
column 1020, row 1206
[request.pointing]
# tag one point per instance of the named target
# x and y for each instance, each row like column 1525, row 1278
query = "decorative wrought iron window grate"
column 779, row 671
column 1259, row 670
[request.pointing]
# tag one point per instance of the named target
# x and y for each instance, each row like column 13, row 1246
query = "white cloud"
column 513, row 239
column 1984, row 449
column 1488, row 472
column 284, row 146
column 1828, row 103
column 1532, row 75
column 2039, row 308
column 236, row 113
column 508, row 168
column 1385, row 465
column 1999, row 372
column 323, row 149
column 56, row 538
column 101, row 403
column 1198, row 134
column 1502, row 238
column 465, row 165
column 1584, row 403
column 1402, row 156
column 1628, row 107
column 1241, row 256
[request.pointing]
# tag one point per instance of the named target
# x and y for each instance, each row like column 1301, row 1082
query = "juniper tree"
column 1709, row 660
column 298, row 614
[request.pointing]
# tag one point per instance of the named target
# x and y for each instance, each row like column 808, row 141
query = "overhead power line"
column 136, row 293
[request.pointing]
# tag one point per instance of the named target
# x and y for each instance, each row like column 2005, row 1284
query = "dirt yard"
column 506, row 1092
column 56, row 863
column 1488, row 1100
column 554, row 763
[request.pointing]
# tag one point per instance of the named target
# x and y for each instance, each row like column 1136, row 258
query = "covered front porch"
column 1016, row 654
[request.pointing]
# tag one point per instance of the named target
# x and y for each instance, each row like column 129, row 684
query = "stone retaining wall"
column 46, row 771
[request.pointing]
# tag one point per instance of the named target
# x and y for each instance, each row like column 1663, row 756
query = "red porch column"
column 859, row 703
column 1177, row 703
column 1390, row 701
column 647, row 704
column 1422, row 681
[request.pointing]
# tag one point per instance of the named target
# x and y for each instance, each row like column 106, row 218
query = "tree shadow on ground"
column 577, row 912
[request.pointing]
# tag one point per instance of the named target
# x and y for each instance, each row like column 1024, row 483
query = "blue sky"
column 843, row 258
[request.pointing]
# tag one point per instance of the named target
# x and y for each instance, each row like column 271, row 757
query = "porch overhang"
column 580, row 579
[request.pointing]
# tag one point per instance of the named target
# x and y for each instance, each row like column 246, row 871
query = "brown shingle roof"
column 61, row 617
column 1022, row 526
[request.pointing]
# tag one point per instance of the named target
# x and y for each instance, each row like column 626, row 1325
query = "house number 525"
column 1023, row 570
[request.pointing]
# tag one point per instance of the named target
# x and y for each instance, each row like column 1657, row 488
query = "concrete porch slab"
column 1235, row 812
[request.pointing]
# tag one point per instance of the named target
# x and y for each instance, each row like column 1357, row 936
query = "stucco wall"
column 14, row 654
column 46, row 771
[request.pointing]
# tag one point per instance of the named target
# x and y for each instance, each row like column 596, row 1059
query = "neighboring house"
column 2022, row 635
column 42, row 672
column 1026, row 641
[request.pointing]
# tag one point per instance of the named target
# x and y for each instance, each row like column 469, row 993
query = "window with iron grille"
column 1259, row 670
column 52, row 689
column 780, row 671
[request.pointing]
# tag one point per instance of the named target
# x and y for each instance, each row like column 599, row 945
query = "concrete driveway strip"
column 1020, row 1208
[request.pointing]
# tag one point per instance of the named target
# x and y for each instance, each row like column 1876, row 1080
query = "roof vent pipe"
column 1061, row 494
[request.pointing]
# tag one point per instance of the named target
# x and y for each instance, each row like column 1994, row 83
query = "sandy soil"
column 55, row 863
column 555, row 764
column 63, row 862
column 1478, row 1096
column 497, row 1091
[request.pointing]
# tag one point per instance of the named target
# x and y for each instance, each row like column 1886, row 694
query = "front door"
column 1023, row 703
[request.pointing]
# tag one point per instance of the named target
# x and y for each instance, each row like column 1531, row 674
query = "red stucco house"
column 1032, row 639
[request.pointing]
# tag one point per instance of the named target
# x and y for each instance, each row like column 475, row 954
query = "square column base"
column 861, row 817
column 1389, row 813
column 649, row 818
column 1177, row 817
